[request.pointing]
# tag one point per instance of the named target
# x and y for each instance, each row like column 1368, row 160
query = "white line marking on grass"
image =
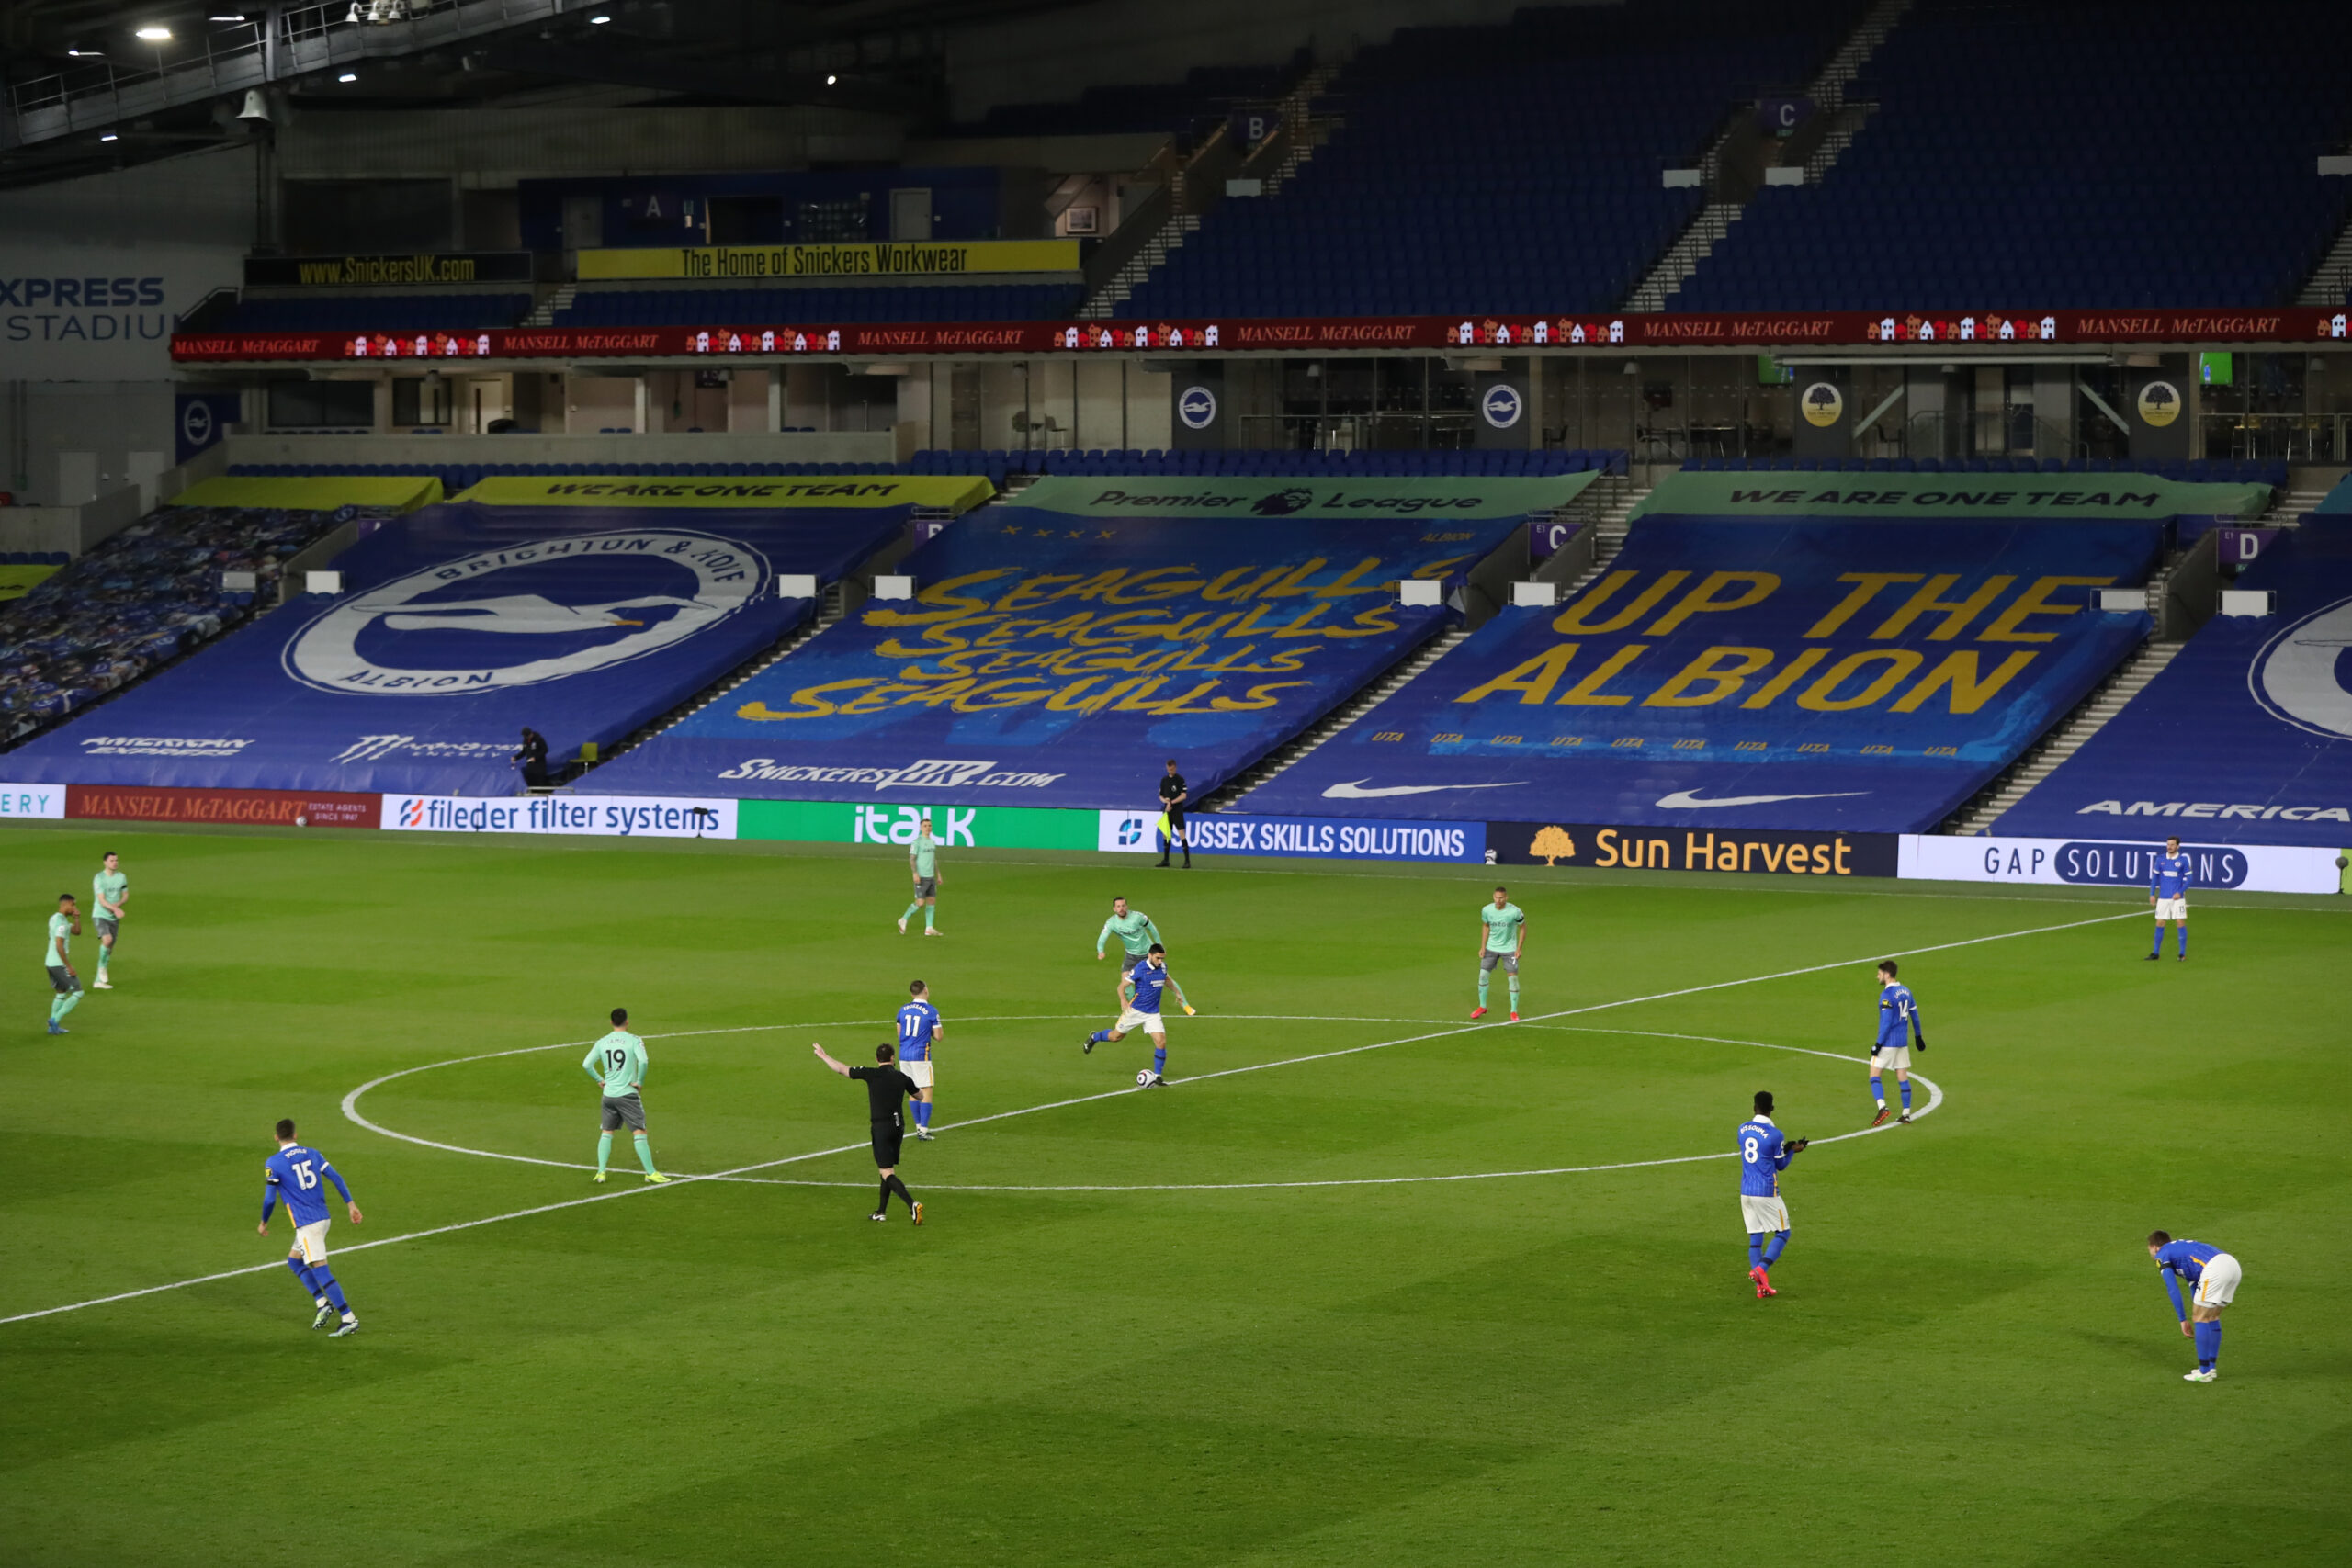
column 350, row 1106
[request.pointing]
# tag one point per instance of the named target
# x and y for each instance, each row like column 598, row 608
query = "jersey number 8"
column 1749, row 1148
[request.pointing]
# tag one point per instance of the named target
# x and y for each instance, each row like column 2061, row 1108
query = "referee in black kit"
column 886, row 1087
column 1172, row 795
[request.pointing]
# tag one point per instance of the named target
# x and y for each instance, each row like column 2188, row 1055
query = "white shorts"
column 919, row 1071
column 310, row 1242
column 1759, row 1215
column 1891, row 1057
column 2217, row 1282
column 2172, row 908
column 1130, row 1020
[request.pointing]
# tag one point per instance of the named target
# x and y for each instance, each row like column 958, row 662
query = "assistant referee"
column 1172, row 795
column 886, row 1089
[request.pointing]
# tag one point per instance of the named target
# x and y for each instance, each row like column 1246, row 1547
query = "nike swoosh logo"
column 1688, row 800
column 1357, row 792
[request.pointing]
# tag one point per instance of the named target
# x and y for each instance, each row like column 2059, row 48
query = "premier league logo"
column 2296, row 676
column 527, row 613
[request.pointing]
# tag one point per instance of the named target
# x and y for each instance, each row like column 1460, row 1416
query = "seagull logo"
column 1688, row 800
column 1355, row 791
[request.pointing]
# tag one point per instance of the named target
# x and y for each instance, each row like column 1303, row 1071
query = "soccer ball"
column 1143, row 1078
column 301, row 821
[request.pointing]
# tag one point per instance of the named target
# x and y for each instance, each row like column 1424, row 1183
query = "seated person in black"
column 532, row 757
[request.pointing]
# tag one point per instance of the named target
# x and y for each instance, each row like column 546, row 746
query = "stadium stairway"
column 832, row 608
column 2063, row 740
column 1412, row 666
column 1711, row 224
column 1305, row 132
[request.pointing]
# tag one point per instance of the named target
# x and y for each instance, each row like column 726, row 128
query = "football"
column 1143, row 1078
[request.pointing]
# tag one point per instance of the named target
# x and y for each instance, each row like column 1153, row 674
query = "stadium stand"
column 1502, row 168
column 1076, row 707
column 1184, row 108
column 761, row 306
column 2245, row 738
column 2017, row 155
column 586, row 640
column 2191, row 470
column 1726, row 674
column 376, row 313
column 1000, row 467
column 138, row 600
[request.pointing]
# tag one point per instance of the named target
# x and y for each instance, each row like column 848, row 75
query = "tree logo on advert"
column 1824, row 404
column 2159, row 403
column 525, row 614
column 2296, row 676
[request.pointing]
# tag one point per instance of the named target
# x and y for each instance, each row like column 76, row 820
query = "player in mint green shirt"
column 64, row 985
column 923, row 861
column 108, row 888
column 618, row 1064
column 1136, row 933
column 1502, row 932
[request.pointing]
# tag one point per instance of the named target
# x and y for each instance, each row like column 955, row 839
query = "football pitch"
column 1367, row 1285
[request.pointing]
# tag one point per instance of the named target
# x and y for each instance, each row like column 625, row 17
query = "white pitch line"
column 1001, row 1115
column 1935, row 1098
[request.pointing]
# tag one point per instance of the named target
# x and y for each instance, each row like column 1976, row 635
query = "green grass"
column 1969, row 1362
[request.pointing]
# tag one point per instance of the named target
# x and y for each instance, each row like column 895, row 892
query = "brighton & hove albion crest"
column 2298, row 676
column 527, row 613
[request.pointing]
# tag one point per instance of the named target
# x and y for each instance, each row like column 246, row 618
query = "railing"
column 233, row 57
column 2297, row 437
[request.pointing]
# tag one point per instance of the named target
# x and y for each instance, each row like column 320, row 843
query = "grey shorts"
column 926, row 887
column 106, row 927
column 627, row 1110
column 59, row 980
column 1488, row 961
column 1127, row 960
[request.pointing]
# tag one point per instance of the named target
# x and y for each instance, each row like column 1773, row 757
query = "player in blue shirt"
column 1139, row 1008
column 1898, row 1029
column 2214, row 1276
column 294, row 1173
column 919, row 1033
column 1764, row 1153
column 2169, row 875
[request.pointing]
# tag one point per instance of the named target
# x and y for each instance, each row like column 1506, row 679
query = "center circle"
column 1447, row 1029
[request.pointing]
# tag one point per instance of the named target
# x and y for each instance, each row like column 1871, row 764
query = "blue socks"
column 1907, row 1094
column 1755, row 1250
column 923, row 1113
column 1876, row 1092
column 1780, row 1244
column 1099, row 1036
column 1160, row 1059
column 301, row 1271
column 2181, row 932
column 2159, row 951
column 2208, row 1344
column 332, row 1292
column 603, row 1151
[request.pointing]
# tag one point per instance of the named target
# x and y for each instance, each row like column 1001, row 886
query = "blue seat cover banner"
column 459, row 625
column 1055, row 659
column 2245, row 738
column 1856, row 676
